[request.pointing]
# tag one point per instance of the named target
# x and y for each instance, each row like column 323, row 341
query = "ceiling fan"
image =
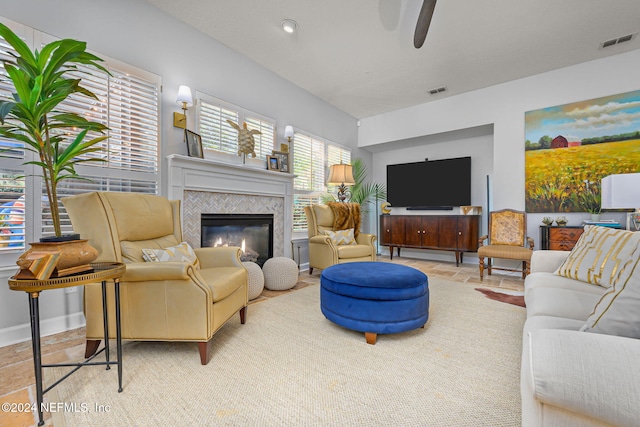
column 424, row 19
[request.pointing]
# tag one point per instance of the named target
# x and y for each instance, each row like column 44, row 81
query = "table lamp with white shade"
column 622, row 191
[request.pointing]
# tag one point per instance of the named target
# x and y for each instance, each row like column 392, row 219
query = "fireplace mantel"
column 190, row 174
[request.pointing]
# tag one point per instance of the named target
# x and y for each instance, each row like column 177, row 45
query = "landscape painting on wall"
column 570, row 148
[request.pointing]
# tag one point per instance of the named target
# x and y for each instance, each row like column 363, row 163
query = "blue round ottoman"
column 374, row 297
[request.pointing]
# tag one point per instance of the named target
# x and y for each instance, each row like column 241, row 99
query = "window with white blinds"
column 218, row 135
column 311, row 160
column 128, row 104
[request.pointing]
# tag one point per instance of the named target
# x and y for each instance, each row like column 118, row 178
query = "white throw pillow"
column 342, row 237
column 618, row 311
column 599, row 255
column 181, row 253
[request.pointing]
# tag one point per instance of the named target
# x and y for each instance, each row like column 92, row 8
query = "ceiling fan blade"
column 424, row 19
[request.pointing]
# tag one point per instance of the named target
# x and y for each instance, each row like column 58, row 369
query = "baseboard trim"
column 21, row 333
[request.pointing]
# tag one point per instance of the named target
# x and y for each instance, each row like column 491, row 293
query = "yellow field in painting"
column 555, row 177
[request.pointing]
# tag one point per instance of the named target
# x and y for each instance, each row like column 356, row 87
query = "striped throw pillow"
column 600, row 256
column 618, row 311
column 342, row 237
column 181, row 253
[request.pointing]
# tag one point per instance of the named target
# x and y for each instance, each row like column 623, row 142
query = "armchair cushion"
column 505, row 252
column 342, row 237
column 354, row 251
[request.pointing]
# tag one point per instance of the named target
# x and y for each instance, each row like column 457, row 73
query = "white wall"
column 502, row 106
column 134, row 32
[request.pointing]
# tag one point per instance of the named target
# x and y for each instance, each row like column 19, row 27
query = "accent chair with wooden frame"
column 507, row 240
column 161, row 301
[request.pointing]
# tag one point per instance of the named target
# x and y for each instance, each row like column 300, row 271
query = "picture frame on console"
column 273, row 163
column 194, row 144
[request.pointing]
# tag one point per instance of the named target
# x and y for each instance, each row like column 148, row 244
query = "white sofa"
column 569, row 377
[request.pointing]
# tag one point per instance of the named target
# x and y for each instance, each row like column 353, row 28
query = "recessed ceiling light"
column 289, row 25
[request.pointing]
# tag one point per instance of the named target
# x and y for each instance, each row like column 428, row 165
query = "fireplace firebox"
column 253, row 233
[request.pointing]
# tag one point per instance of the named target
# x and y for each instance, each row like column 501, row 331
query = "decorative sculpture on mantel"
column 246, row 143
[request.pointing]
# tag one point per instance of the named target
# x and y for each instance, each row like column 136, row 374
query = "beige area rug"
column 289, row 366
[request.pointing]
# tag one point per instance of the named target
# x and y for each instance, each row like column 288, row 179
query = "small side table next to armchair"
column 101, row 272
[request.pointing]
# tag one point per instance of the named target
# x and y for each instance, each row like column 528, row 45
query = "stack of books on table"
column 603, row 223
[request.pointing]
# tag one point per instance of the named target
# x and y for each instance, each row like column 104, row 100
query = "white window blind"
column 128, row 103
column 217, row 134
column 311, row 160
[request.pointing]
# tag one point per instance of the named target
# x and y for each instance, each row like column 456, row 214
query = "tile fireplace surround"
column 209, row 186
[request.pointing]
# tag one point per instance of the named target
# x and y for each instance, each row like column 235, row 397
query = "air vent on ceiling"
column 437, row 90
column 619, row 40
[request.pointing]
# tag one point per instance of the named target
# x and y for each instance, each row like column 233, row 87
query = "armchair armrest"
column 152, row 271
column 320, row 239
column 530, row 242
column 366, row 239
column 219, row 257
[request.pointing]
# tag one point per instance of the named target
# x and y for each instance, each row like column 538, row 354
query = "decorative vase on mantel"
column 72, row 255
column 595, row 217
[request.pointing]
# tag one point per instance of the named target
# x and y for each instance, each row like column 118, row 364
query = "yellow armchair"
column 507, row 240
column 160, row 301
column 322, row 250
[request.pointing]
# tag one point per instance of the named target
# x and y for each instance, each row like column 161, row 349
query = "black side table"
column 102, row 272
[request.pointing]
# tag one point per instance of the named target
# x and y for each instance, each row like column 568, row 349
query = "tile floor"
column 16, row 369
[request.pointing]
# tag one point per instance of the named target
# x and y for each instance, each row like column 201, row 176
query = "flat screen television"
column 434, row 184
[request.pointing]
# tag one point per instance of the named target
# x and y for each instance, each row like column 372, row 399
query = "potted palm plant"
column 42, row 80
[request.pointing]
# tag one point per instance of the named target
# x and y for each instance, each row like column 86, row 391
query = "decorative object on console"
column 194, row 144
column 385, row 208
column 471, row 210
column 246, row 142
column 622, row 191
column 184, row 100
column 562, row 221
column 341, row 175
column 547, row 220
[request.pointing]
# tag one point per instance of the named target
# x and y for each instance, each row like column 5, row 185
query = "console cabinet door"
column 448, row 232
column 385, row 230
column 429, row 231
column 392, row 230
column 468, row 233
column 413, row 231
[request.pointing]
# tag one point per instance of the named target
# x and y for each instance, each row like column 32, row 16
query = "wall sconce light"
column 341, row 175
column 184, row 100
column 288, row 132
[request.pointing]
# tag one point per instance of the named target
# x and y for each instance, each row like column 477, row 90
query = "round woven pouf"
column 280, row 273
column 256, row 279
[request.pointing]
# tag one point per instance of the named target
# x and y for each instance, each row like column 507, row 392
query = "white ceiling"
column 358, row 54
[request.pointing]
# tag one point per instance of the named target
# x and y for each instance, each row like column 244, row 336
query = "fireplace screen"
column 253, row 233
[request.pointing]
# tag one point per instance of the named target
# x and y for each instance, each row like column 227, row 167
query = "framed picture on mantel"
column 283, row 158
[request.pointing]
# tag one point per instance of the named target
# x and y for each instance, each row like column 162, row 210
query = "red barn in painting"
column 562, row 142
column 559, row 142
